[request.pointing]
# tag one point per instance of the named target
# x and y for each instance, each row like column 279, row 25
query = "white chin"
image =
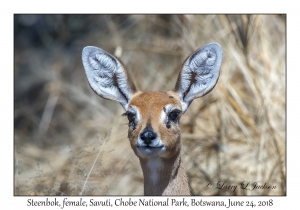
column 150, row 152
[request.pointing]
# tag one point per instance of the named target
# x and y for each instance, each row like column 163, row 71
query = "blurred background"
column 69, row 141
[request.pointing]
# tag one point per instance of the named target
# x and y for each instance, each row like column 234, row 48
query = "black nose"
column 147, row 136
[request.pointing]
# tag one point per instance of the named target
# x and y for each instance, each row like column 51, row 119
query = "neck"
column 165, row 176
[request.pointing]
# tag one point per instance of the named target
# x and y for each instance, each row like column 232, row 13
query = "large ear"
column 107, row 76
column 199, row 74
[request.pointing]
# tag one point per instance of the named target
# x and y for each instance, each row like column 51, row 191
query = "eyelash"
column 131, row 118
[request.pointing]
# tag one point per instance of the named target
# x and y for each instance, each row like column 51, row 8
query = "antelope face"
column 154, row 124
column 153, row 116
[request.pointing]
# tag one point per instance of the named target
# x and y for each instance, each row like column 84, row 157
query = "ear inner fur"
column 199, row 74
column 107, row 75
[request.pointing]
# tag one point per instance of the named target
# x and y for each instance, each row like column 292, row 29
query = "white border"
column 9, row 8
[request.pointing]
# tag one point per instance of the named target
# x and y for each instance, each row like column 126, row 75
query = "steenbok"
column 153, row 116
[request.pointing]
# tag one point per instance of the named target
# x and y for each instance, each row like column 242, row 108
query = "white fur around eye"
column 166, row 110
column 163, row 117
column 135, row 110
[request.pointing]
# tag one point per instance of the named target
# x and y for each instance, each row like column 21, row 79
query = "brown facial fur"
column 150, row 106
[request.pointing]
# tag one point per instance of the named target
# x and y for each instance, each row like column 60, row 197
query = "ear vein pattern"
column 106, row 75
column 200, row 73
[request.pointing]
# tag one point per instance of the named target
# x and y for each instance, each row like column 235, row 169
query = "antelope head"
column 153, row 116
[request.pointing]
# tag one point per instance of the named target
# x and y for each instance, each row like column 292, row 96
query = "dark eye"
column 130, row 116
column 174, row 114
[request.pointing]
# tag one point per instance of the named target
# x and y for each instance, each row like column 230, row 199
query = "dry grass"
column 69, row 141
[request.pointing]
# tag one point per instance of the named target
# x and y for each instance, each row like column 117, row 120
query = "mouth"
column 149, row 146
column 148, row 151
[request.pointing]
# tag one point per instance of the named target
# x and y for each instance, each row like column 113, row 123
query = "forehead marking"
column 153, row 98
